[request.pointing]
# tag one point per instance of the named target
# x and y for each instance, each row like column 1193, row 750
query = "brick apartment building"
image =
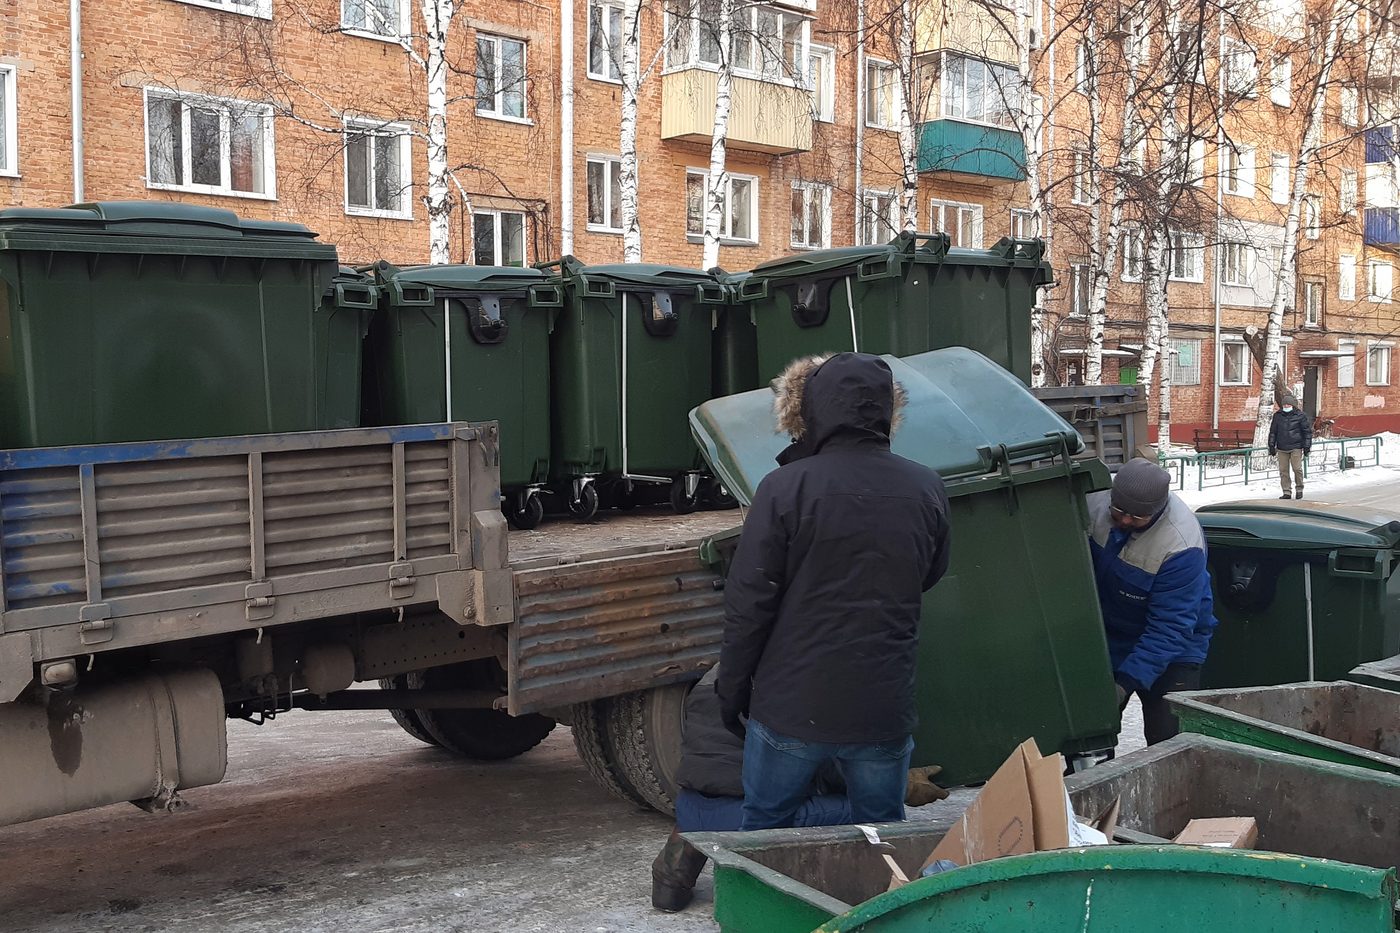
column 312, row 110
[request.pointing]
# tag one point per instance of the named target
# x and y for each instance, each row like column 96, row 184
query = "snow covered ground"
column 1264, row 483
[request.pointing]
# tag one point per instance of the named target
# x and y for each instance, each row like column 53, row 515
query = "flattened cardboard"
column 1230, row 832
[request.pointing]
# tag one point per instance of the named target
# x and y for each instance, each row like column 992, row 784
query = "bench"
column 1205, row 441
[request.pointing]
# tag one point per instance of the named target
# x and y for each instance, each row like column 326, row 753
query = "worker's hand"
column 921, row 789
column 1122, row 694
column 734, row 721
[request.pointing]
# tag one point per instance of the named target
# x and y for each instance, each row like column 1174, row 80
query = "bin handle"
column 936, row 243
column 1357, row 564
column 354, row 296
column 412, row 296
column 753, row 289
column 598, row 288
column 1029, row 249
column 546, row 295
column 882, row 268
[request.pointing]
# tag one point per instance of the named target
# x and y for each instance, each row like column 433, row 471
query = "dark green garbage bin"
column 736, row 341
column 126, row 321
column 1303, row 590
column 1012, row 644
column 908, row 296
column 471, row 343
column 632, row 353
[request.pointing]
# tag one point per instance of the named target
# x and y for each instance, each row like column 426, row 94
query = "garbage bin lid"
column 1283, row 525
column 462, row 277
column 962, row 409
column 646, row 274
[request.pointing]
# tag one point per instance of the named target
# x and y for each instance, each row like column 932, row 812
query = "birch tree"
column 908, row 90
column 631, row 76
column 718, row 178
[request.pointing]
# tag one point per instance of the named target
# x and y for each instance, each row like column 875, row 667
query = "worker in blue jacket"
column 1154, row 589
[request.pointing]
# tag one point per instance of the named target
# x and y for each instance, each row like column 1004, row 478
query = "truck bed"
column 614, row 534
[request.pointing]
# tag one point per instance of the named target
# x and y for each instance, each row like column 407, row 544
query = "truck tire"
column 646, row 731
column 594, row 746
column 483, row 734
column 406, row 718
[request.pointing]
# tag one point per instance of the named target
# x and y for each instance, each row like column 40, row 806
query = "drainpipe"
column 1219, row 217
column 75, row 50
column 860, row 117
column 566, row 127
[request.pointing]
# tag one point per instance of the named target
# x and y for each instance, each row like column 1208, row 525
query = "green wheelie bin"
column 908, row 296
column 471, row 343
column 632, row 352
column 736, row 342
column 1012, row 643
column 1303, row 591
column 135, row 320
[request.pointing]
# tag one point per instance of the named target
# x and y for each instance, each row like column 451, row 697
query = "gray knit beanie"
column 1141, row 488
column 1289, row 399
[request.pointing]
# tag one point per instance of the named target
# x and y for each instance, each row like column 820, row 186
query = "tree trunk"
column 1091, row 184
column 1029, row 123
column 437, row 18
column 718, row 177
column 906, row 86
column 1156, row 265
column 627, row 146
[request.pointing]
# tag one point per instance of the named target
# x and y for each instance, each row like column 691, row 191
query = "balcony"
column 765, row 117
column 1382, row 227
column 977, row 152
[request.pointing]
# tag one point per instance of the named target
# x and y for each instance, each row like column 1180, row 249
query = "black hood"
column 851, row 397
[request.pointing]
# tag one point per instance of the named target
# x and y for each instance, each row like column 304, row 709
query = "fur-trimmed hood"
column 818, row 397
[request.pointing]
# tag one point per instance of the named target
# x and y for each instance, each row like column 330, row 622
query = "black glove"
column 734, row 721
column 1272, row 452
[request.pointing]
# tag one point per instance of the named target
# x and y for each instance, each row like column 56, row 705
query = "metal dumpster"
column 130, row 320
column 1383, row 674
column 908, row 296
column 1043, row 635
column 736, row 341
column 1303, row 590
column 1347, row 723
column 460, row 342
column 631, row 354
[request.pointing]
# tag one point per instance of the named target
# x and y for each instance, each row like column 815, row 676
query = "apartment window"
column 1133, row 251
column 1187, row 52
column 1234, row 364
column 739, row 220
column 1378, row 364
column 9, row 124
column 1079, row 290
column 386, row 19
column 962, row 222
column 1346, row 278
column 768, row 42
column 260, row 8
column 1023, row 225
column 1196, row 167
column 1080, row 190
column 1351, row 107
column 1237, row 170
column 880, row 86
column 604, row 194
column 1236, row 264
column 1241, row 69
column 377, row 176
column 605, row 40
column 1346, row 365
column 1312, row 303
column 1281, row 81
column 979, row 91
column 1186, row 362
column 1082, row 57
column 1278, row 177
column 1187, row 254
column 821, row 81
column 1275, row 261
column 879, row 220
column 1378, row 281
column 811, row 215
column 1347, row 196
column 500, row 77
column 209, row 145
column 498, row 237
column 1312, row 217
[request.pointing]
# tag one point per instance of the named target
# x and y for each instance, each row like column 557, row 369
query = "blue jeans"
column 697, row 812
column 778, row 773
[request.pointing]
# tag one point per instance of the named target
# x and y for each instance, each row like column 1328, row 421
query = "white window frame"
column 872, row 120
column 727, row 222
column 870, row 215
column 1229, row 344
column 1349, row 191
column 395, row 37
column 823, row 98
column 1346, row 277
column 1312, row 216
column 9, row 167
column 607, row 161
column 1350, row 105
column 1079, row 184
column 1081, row 290
column 810, row 190
column 496, row 228
column 1190, row 243
column 1241, row 64
column 792, row 73
column 1279, row 177
column 1134, row 252
column 1237, row 264
column 369, row 128
column 1194, row 379
column 998, row 79
column 608, row 7
column 1023, row 219
column 1372, row 292
column 1237, row 170
column 498, row 100
column 939, row 206
column 1281, row 81
column 1386, row 349
column 261, row 9
column 1081, row 66
column 1313, row 287
column 225, row 104
column 1346, row 365
column 1196, row 162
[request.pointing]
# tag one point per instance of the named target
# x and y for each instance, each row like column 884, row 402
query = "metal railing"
column 1245, row 465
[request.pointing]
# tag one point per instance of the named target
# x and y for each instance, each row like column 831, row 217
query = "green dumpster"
column 1348, row 723
column 129, row 320
column 1383, row 674
column 471, row 343
column 1303, row 590
column 908, row 296
column 736, row 342
column 1012, row 643
column 632, row 353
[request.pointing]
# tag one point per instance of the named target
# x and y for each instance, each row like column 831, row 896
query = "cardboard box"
column 1231, row 832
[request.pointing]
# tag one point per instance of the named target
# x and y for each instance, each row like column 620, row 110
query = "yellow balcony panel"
column 765, row 116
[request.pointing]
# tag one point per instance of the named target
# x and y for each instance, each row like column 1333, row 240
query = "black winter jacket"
column 1290, row 430
column 823, row 596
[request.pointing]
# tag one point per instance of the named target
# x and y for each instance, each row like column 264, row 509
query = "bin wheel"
column 406, row 718
column 483, row 734
column 585, row 507
column 682, row 503
column 718, row 497
column 529, row 514
column 645, row 728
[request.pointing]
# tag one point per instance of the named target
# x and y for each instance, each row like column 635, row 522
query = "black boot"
column 673, row 874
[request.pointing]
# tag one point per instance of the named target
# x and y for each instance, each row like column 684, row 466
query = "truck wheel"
column 646, row 731
column 484, row 734
column 594, row 745
column 406, row 718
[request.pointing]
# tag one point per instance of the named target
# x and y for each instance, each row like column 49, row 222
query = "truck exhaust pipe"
column 139, row 740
